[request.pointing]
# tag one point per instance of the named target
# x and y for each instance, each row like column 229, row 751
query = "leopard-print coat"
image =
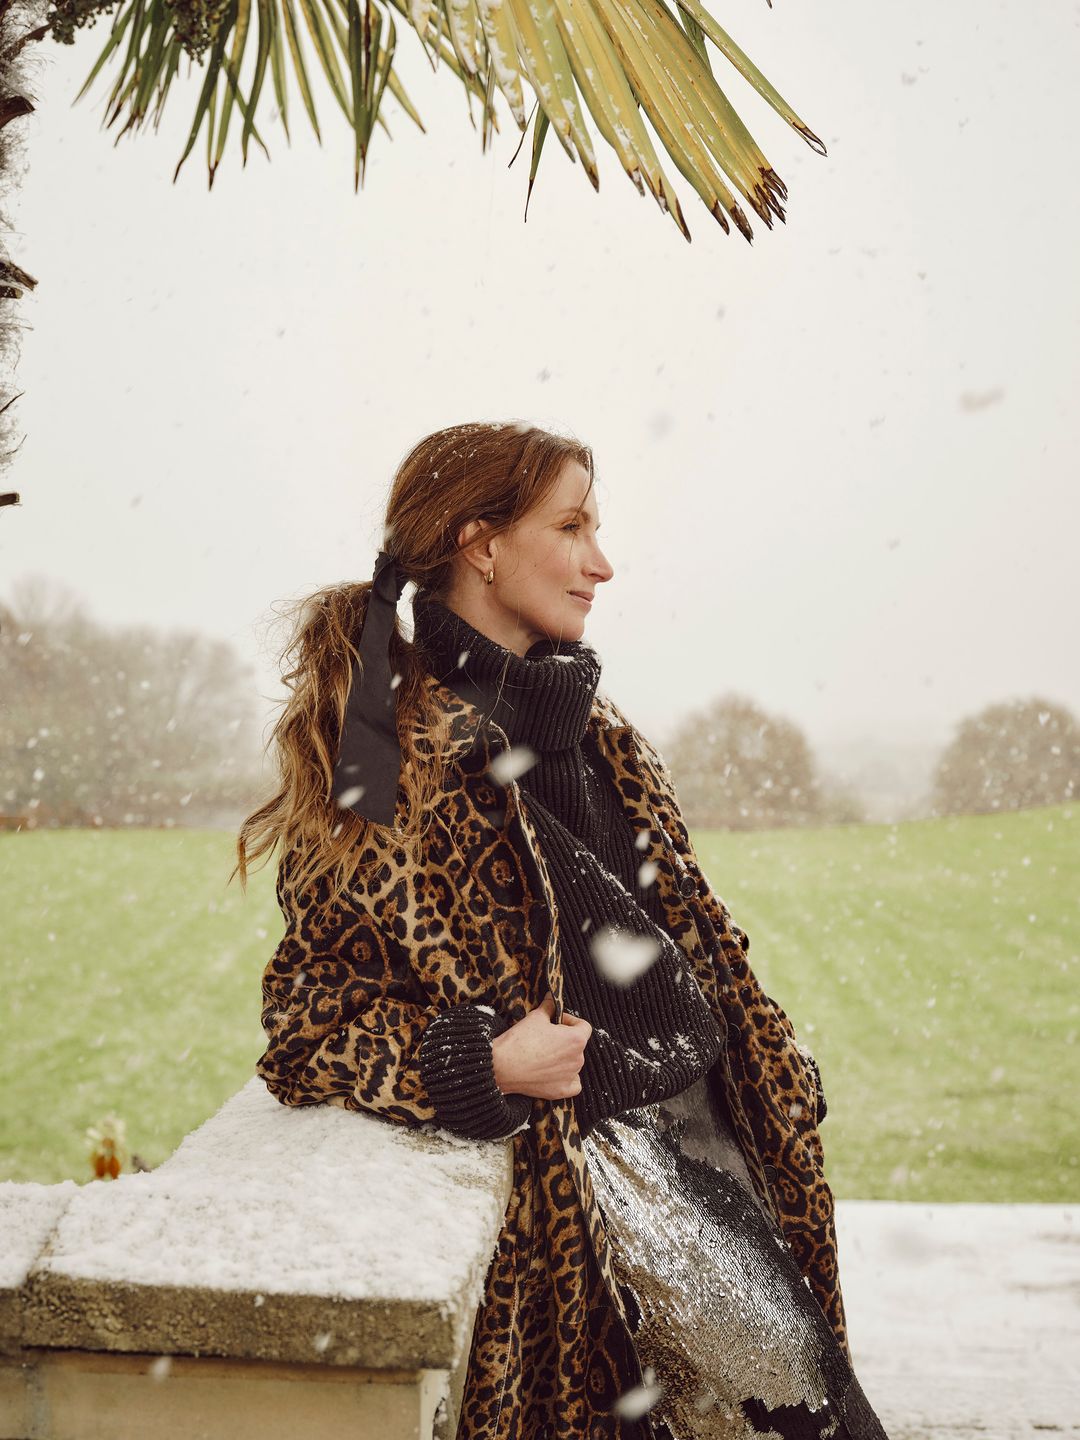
column 351, row 987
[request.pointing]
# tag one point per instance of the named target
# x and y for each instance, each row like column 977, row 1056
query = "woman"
column 496, row 924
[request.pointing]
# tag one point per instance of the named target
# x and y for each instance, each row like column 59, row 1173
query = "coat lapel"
column 462, row 737
column 609, row 727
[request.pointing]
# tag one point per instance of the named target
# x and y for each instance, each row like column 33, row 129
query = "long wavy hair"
column 496, row 472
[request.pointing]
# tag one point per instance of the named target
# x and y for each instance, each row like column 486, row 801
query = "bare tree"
column 739, row 768
column 118, row 725
column 1009, row 756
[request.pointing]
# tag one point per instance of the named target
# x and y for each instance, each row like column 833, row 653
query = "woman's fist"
column 538, row 1058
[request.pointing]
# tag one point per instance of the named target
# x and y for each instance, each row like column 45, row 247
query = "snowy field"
column 965, row 1319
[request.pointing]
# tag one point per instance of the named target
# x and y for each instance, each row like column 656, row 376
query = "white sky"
column 797, row 500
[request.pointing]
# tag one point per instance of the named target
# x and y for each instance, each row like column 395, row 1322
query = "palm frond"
column 618, row 63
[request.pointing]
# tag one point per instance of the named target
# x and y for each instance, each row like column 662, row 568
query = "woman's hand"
column 535, row 1057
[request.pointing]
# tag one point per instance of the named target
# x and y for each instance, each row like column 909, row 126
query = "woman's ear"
column 470, row 542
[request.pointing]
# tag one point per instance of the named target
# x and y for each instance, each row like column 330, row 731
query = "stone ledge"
column 28, row 1213
column 308, row 1234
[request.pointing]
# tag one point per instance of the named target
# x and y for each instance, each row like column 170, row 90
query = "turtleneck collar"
column 542, row 699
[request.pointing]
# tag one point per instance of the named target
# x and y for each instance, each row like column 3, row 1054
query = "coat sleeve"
column 346, row 1022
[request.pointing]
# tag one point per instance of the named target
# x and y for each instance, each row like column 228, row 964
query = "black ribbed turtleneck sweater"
column 652, row 1038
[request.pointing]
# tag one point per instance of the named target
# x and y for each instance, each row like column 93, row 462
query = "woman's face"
column 548, row 554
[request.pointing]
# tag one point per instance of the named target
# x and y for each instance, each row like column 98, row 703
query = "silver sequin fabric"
column 721, row 1312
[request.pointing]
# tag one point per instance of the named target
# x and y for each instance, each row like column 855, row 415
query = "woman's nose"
column 603, row 568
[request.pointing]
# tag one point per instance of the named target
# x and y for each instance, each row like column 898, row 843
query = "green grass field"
column 932, row 967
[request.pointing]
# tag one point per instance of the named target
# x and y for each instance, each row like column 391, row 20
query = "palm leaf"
column 323, row 41
column 298, row 62
column 466, row 33
column 232, row 71
column 115, row 36
column 277, row 67
column 171, row 67
column 266, row 26
column 206, row 102
column 630, row 65
column 723, row 41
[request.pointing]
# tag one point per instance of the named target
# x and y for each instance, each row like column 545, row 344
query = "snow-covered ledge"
column 275, row 1245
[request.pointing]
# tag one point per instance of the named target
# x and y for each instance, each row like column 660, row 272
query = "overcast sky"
column 836, row 468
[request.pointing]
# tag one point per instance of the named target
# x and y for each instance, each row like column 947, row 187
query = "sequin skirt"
column 719, row 1309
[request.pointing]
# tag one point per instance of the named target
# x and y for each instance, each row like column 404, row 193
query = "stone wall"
column 286, row 1271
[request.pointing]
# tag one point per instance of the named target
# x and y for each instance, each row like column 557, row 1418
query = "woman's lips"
column 580, row 599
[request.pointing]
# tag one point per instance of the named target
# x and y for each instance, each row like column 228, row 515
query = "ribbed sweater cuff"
column 458, row 1071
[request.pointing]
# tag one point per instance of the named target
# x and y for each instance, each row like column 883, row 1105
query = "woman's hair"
column 496, row 472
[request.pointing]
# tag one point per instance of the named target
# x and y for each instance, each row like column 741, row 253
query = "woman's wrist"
column 503, row 1079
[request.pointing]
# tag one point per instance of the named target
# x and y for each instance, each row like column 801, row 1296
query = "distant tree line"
column 128, row 725
column 738, row 768
column 118, row 725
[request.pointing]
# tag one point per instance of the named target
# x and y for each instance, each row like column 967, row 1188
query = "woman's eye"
column 573, row 525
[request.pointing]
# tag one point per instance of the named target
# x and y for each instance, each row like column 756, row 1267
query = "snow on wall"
column 311, row 1200
column 28, row 1212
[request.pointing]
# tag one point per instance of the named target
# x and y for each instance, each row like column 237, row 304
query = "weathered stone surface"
column 28, row 1213
column 311, row 1235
